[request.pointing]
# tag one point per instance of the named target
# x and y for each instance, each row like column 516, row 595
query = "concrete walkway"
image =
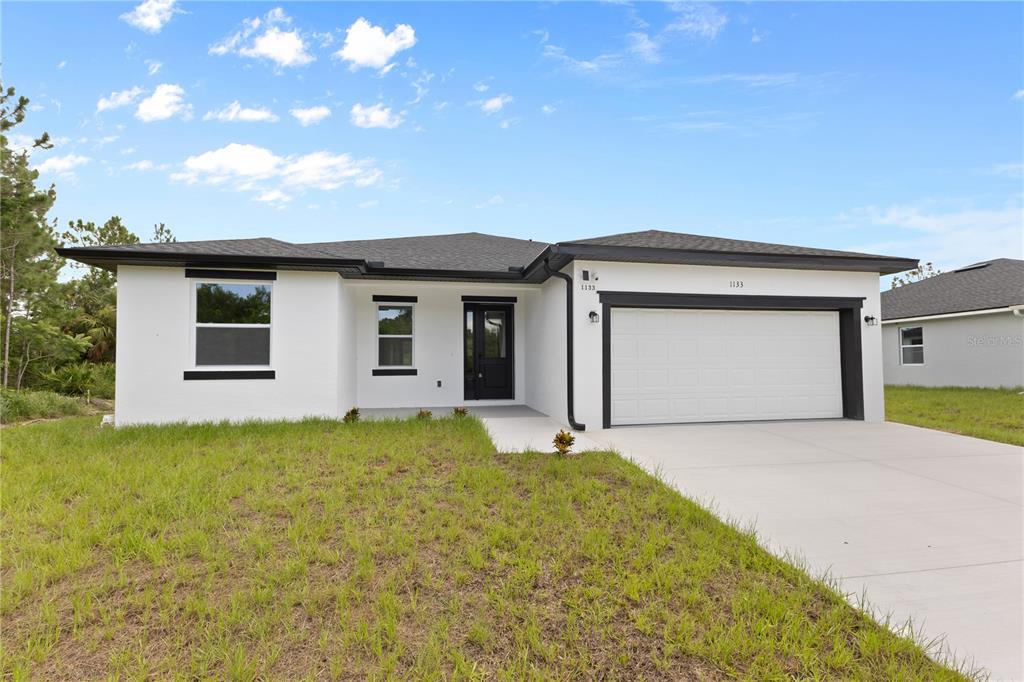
column 928, row 525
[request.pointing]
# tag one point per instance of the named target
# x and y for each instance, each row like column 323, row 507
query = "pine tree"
column 28, row 264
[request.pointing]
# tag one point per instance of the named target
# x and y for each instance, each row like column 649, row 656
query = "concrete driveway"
column 928, row 525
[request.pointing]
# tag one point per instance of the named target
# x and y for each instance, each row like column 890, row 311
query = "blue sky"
column 893, row 128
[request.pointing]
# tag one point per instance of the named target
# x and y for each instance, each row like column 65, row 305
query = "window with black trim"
column 394, row 335
column 912, row 345
column 232, row 324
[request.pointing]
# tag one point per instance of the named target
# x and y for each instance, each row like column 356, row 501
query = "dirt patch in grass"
column 397, row 549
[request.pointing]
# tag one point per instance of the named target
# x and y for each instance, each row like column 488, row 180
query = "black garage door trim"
column 850, row 363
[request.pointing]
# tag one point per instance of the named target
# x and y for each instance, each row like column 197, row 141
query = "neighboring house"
column 960, row 328
column 638, row 328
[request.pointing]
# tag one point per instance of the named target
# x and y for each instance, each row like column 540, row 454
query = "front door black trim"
column 489, row 299
column 470, row 389
column 850, row 362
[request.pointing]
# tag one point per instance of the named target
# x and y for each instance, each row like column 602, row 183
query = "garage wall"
column 154, row 324
column 437, row 343
column 975, row 350
column 700, row 279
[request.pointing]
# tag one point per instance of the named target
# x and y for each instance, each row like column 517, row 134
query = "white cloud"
column 698, row 20
column 1019, row 94
column 376, row 116
column 495, row 200
column 120, row 98
column 310, row 115
column 644, row 48
column 246, row 167
column 273, row 196
column 1006, row 170
column 284, row 48
column 19, row 142
column 754, row 80
column 153, row 67
column 236, row 112
column 166, row 101
column 62, row 165
column 324, row 170
column 106, row 140
column 507, row 123
column 481, row 87
column 127, row 151
column 596, row 65
column 369, row 46
column 367, row 204
column 62, row 63
column 547, row 109
column 143, row 165
column 494, row 104
column 151, row 15
column 232, row 162
column 757, row 36
column 949, row 237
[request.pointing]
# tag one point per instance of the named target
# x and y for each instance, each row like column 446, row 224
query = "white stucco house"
column 638, row 328
column 960, row 328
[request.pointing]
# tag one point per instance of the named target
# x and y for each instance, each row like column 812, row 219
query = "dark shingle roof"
column 262, row 247
column 476, row 255
column 659, row 239
column 466, row 251
column 996, row 283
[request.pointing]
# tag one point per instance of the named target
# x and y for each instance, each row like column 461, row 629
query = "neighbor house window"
column 912, row 346
column 394, row 336
column 232, row 324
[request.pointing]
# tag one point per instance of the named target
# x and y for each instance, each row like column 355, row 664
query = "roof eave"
column 884, row 265
column 109, row 259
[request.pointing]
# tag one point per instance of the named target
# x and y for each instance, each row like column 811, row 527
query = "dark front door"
column 488, row 336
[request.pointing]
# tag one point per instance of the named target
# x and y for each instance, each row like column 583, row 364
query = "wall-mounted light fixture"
column 870, row 320
column 594, row 317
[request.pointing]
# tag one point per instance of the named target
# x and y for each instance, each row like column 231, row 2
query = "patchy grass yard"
column 402, row 549
column 990, row 413
column 29, row 405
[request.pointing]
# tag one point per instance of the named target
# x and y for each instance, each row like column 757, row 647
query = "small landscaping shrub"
column 424, row 414
column 563, row 443
column 351, row 416
column 460, row 412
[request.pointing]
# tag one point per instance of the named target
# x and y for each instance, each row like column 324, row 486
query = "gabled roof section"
column 996, row 283
column 468, row 251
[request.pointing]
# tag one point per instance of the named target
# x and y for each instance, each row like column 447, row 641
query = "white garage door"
column 723, row 365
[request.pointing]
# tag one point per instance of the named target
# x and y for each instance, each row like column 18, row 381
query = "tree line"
column 58, row 335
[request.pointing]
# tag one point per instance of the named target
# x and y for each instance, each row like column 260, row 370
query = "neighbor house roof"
column 476, row 256
column 990, row 284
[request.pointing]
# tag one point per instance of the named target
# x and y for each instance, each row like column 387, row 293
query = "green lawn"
column 391, row 549
column 991, row 413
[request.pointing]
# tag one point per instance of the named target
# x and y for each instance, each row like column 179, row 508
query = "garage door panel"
column 699, row 365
